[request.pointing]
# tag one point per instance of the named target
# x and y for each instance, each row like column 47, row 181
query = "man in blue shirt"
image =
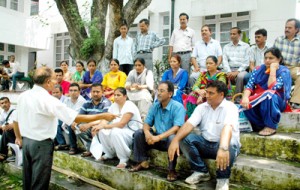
column 166, row 116
column 98, row 104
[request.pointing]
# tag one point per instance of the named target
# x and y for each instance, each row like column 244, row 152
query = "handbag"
column 244, row 123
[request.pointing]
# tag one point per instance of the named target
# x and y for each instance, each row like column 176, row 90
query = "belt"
column 139, row 52
column 183, row 52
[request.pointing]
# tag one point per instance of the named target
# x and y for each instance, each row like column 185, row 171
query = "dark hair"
column 64, row 61
column 236, row 28
column 59, row 87
column 146, row 21
column 170, row 86
column 221, row 86
column 214, row 58
column 58, row 70
column 122, row 90
column 184, row 14
column 115, row 60
column 124, row 23
column 74, row 84
column 206, row 25
column 79, row 62
column 141, row 60
column 4, row 98
column 40, row 76
column 261, row 31
column 5, row 62
column 92, row 60
column 276, row 52
column 297, row 22
column 177, row 57
column 96, row 85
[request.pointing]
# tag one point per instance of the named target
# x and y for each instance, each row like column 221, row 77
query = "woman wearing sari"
column 139, row 83
column 90, row 77
column 78, row 75
column 176, row 75
column 197, row 96
column 64, row 65
column 267, row 93
column 113, row 79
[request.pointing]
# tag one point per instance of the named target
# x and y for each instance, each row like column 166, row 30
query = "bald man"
column 36, row 126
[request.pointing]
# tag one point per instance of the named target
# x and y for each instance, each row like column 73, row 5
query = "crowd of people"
column 129, row 111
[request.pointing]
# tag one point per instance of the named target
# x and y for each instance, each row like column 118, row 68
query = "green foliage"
column 245, row 38
column 159, row 68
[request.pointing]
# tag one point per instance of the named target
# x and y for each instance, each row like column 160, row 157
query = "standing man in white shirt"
column 217, row 120
column 124, row 49
column 182, row 42
column 35, row 127
column 75, row 102
column 204, row 48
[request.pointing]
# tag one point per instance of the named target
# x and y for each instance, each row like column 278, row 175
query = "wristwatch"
column 225, row 148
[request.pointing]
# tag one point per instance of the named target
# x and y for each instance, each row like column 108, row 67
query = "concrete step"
column 258, row 173
column 281, row 146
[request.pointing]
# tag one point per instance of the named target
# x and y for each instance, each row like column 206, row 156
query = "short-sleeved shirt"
column 183, row 40
column 211, row 121
column 4, row 114
column 75, row 106
column 165, row 118
column 89, row 108
column 129, row 107
column 38, row 114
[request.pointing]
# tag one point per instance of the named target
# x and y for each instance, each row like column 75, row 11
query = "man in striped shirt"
column 289, row 45
column 145, row 42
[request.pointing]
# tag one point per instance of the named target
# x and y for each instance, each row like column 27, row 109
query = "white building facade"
column 48, row 36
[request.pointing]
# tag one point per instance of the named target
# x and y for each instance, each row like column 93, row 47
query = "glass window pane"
column 226, row 15
column 1, row 46
column 166, row 33
column 133, row 34
column 58, row 49
column 166, row 20
column 225, row 36
column 66, row 56
column 1, row 58
column 243, row 13
column 59, row 34
column 58, row 57
column 67, row 42
column 58, row 42
column 167, row 41
column 66, row 33
column 66, row 48
column 212, row 27
column 34, row 9
column 213, row 35
column 11, row 48
column 226, row 26
column 3, row 3
column 165, row 49
column 210, row 17
column 243, row 25
column 223, row 44
column 14, row 4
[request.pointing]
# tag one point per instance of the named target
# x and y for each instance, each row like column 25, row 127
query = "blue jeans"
column 16, row 76
column 60, row 136
column 195, row 148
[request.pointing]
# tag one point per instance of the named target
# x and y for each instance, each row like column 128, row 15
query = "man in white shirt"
column 217, row 120
column 6, row 125
column 75, row 102
column 35, row 127
column 124, row 49
column 182, row 42
column 16, row 71
column 204, row 48
column 257, row 52
column 236, row 59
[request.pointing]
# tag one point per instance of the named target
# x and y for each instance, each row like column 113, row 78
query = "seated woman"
column 176, row 75
column 267, row 93
column 64, row 65
column 116, row 136
column 113, row 79
column 197, row 96
column 78, row 75
column 139, row 83
column 90, row 77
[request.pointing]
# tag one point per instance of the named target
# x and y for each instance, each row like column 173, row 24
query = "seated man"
column 167, row 115
column 4, row 77
column 219, row 139
column 75, row 102
column 6, row 125
column 64, row 84
column 98, row 104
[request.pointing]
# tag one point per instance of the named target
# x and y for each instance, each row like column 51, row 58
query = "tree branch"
column 133, row 8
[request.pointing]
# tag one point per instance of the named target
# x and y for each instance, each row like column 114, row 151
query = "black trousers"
column 7, row 137
column 37, row 163
column 126, row 68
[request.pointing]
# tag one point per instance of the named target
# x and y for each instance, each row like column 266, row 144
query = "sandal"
column 121, row 166
column 267, row 131
column 72, row 151
column 61, row 147
column 141, row 166
column 172, row 175
column 86, row 154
